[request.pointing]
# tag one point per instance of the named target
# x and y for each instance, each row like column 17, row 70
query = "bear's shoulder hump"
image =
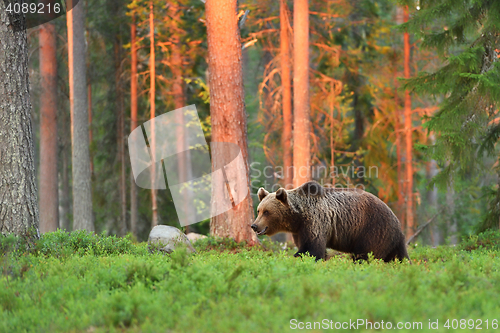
column 311, row 188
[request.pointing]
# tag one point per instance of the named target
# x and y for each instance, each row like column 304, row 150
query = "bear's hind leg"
column 399, row 252
column 403, row 253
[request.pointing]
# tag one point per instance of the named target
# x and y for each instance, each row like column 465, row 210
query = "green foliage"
column 205, row 92
column 465, row 34
column 25, row 242
column 218, row 243
column 80, row 242
column 212, row 243
column 8, row 243
column 245, row 291
column 488, row 241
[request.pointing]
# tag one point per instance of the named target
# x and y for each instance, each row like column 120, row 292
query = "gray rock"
column 166, row 239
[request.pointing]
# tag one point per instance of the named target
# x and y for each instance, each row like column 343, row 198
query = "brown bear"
column 346, row 220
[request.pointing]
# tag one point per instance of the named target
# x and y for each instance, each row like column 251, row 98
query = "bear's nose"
column 254, row 227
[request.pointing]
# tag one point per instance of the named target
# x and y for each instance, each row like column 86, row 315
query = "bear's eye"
column 265, row 213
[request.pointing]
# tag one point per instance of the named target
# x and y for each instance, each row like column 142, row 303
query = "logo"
column 171, row 149
column 36, row 12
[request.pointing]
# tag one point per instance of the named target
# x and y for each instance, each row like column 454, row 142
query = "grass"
column 94, row 283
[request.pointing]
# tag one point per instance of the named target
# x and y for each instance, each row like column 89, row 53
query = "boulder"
column 166, row 239
column 193, row 236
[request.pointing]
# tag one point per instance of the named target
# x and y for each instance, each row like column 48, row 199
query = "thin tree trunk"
column 65, row 152
column 89, row 96
column 287, row 96
column 451, row 221
column 408, row 131
column 133, row 124
column 184, row 160
column 286, row 84
column 399, row 152
column 82, row 186
column 301, row 121
column 498, row 193
column 18, row 192
column 120, row 118
column 432, row 196
column 227, row 109
column 49, row 202
column 65, row 191
column 152, row 94
column 332, row 149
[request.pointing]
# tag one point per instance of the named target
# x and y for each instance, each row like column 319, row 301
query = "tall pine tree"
column 467, row 36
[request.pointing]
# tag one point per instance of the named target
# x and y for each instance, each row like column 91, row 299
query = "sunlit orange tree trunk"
column 301, row 110
column 286, row 86
column 178, row 70
column 399, row 151
column 49, row 203
column 82, row 187
column 227, row 108
column 152, row 94
column 408, row 133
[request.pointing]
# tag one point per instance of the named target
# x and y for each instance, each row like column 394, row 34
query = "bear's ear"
column 282, row 196
column 262, row 193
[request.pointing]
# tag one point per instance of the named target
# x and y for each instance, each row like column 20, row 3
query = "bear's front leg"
column 315, row 247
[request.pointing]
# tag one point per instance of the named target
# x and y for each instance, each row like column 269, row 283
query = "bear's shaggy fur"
column 346, row 220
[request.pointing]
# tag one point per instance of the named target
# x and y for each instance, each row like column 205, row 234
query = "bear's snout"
column 255, row 228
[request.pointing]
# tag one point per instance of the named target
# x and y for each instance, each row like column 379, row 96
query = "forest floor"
column 92, row 283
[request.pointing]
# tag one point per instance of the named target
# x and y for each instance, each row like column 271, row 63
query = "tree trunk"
column 133, row 124
column 301, row 121
column 82, row 186
column 286, row 85
column 89, row 95
column 399, row 151
column 120, row 118
column 408, row 132
column 451, row 221
column 432, row 198
column 227, row 109
column 65, row 151
column 152, row 94
column 64, row 210
column 184, row 160
column 49, row 203
column 89, row 99
column 18, row 192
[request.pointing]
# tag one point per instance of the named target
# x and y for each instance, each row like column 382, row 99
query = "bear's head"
column 272, row 213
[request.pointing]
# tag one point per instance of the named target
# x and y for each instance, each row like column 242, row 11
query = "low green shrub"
column 8, row 243
column 62, row 244
column 488, row 240
column 84, row 282
column 228, row 244
column 218, row 244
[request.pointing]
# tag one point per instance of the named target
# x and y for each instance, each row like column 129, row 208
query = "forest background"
column 357, row 95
